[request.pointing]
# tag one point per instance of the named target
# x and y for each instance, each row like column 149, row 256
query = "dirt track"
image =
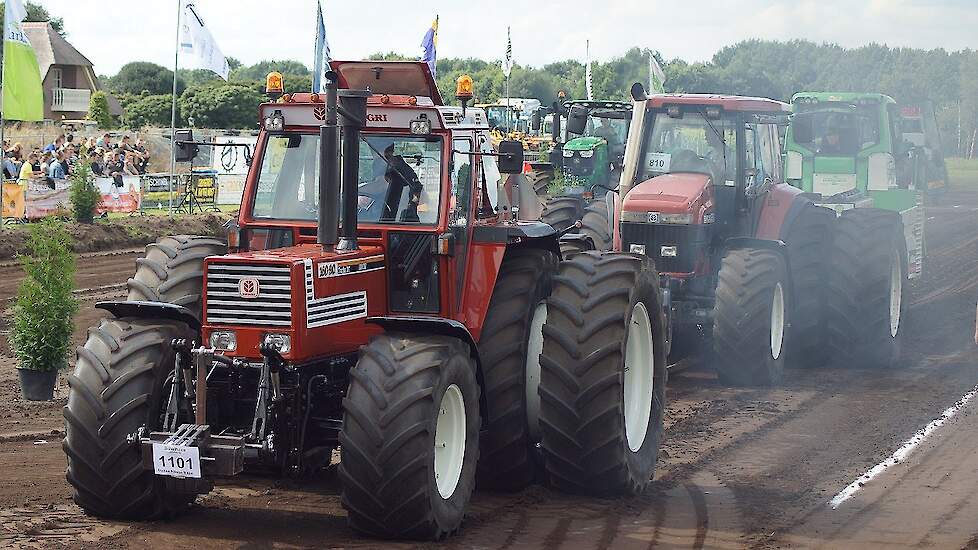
column 739, row 468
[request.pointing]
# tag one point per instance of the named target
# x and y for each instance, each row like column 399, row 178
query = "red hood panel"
column 668, row 193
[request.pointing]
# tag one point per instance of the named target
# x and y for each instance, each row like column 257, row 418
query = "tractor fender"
column 150, row 310
column 443, row 327
column 525, row 234
column 779, row 246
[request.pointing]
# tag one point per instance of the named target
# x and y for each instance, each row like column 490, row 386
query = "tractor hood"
column 671, row 193
column 583, row 143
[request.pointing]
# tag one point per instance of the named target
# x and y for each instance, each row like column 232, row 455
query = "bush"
column 148, row 110
column 84, row 196
column 98, row 110
column 221, row 106
column 41, row 334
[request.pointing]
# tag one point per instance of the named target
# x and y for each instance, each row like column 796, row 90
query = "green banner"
column 23, row 97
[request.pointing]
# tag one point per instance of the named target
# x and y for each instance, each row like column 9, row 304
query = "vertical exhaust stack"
column 329, row 169
column 349, row 111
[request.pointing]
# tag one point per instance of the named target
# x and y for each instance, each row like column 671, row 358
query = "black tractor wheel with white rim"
column 410, row 437
column 512, row 338
column 866, row 288
column 603, row 375
column 751, row 317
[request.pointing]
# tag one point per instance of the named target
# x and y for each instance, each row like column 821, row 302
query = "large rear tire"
column 562, row 212
column 751, row 318
column 173, row 271
column 410, row 437
column 116, row 388
column 541, row 182
column 594, row 224
column 512, row 338
column 603, row 378
column 866, row 288
column 808, row 240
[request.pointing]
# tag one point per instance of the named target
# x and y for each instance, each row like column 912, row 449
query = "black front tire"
column 387, row 471
column 868, row 251
column 748, row 341
column 595, row 224
column 562, row 212
column 583, row 414
column 116, row 388
column 523, row 284
column 173, row 271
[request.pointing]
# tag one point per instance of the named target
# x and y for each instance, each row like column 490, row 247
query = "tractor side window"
column 461, row 182
column 287, row 177
column 490, row 180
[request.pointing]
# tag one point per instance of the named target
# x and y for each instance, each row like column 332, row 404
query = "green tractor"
column 849, row 151
column 587, row 158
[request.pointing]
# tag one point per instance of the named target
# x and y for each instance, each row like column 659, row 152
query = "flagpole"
column 173, row 109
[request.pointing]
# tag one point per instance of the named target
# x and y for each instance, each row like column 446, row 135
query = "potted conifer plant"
column 43, row 311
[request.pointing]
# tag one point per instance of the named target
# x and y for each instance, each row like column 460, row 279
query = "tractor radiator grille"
column 229, row 287
column 690, row 242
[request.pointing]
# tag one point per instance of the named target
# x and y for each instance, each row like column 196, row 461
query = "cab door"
column 460, row 209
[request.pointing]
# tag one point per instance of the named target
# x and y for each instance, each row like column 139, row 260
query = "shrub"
column 98, row 110
column 42, row 328
column 84, row 196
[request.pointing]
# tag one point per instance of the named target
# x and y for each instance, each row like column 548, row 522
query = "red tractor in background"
column 744, row 258
column 377, row 295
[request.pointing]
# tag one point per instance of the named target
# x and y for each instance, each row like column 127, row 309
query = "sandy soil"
column 739, row 467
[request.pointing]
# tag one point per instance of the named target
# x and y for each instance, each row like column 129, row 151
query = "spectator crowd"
column 58, row 160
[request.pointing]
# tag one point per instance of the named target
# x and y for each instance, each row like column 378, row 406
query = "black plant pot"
column 37, row 385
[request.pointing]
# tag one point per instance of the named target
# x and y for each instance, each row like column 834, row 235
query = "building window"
column 56, row 78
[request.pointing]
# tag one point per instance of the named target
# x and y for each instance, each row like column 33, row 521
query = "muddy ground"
column 739, row 467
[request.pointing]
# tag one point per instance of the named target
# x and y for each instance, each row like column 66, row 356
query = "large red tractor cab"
column 702, row 194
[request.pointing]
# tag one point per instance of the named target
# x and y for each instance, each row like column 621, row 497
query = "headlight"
column 637, row 249
column 421, row 126
column 587, row 154
column 668, row 252
column 568, row 154
column 281, row 343
column 224, row 340
column 275, row 122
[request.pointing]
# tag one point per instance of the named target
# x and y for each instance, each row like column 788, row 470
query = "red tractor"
column 742, row 255
column 378, row 296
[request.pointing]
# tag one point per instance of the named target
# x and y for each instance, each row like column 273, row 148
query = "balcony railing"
column 70, row 99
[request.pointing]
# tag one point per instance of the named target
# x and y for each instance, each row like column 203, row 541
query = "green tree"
column 221, row 106
column 148, row 110
column 259, row 70
column 142, row 76
column 98, row 110
column 42, row 328
column 84, row 196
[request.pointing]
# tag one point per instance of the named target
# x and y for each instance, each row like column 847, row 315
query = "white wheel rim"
column 896, row 296
column 449, row 441
column 534, row 348
column 777, row 322
column 638, row 379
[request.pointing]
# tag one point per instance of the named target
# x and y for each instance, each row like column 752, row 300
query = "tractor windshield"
column 837, row 131
column 398, row 181
column 691, row 143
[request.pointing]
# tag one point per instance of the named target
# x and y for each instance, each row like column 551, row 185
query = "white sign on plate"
column 176, row 460
column 659, row 162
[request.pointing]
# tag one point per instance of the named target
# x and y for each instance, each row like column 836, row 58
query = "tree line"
column 761, row 68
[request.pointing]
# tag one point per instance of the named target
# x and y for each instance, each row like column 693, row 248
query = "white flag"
column 321, row 57
column 197, row 46
column 508, row 63
column 587, row 71
column 657, row 77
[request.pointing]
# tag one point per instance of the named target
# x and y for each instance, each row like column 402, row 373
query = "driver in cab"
column 382, row 198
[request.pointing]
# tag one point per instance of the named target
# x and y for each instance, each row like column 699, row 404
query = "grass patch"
column 962, row 171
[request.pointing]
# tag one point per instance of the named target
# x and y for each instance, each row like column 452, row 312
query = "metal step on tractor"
column 751, row 268
column 587, row 158
column 375, row 296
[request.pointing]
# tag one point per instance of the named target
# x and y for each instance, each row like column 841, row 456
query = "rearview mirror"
column 183, row 151
column 510, row 157
column 577, row 119
column 535, row 121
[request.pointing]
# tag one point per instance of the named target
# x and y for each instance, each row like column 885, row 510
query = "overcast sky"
column 114, row 33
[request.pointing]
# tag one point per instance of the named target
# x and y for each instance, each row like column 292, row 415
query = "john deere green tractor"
column 587, row 156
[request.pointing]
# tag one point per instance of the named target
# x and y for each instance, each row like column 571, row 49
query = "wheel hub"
column 534, row 348
column 449, row 441
column 777, row 322
column 896, row 296
column 638, row 380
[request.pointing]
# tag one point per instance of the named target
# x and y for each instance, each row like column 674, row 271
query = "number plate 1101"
column 176, row 460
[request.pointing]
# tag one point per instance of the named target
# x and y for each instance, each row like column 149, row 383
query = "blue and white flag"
column 197, row 46
column 322, row 58
column 430, row 45
column 508, row 60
